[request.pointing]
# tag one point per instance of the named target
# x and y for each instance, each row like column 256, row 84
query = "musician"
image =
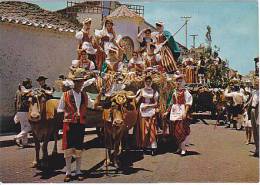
column 47, row 89
column 22, row 108
column 181, row 102
column 147, row 97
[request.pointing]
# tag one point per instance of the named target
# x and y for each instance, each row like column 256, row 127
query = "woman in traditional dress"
column 147, row 97
column 107, row 36
column 87, row 42
column 152, row 59
column 181, row 102
column 136, row 63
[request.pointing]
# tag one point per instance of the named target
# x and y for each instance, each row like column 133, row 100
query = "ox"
column 44, row 122
column 119, row 116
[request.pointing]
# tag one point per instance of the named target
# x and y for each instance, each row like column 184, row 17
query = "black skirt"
column 75, row 136
column 238, row 109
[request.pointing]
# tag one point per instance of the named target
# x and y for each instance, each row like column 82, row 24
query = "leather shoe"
column 80, row 177
column 67, row 178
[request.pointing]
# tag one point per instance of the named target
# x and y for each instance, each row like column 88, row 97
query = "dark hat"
column 62, row 77
column 147, row 30
column 41, row 78
column 152, row 46
column 26, row 81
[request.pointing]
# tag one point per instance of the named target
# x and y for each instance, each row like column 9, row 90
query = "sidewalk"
column 7, row 139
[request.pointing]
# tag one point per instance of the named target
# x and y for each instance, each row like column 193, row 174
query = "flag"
column 172, row 44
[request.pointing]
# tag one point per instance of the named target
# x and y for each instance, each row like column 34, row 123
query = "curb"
column 8, row 140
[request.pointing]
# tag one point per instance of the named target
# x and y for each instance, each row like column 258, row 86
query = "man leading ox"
column 74, row 104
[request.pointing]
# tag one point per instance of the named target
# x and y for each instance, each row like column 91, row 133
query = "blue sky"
column 234, row 24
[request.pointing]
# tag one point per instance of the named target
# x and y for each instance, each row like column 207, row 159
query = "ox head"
column 118, row 104
column 36, row 103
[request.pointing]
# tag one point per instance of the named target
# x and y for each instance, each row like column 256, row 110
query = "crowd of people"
column 241, row 111
column 105, row 53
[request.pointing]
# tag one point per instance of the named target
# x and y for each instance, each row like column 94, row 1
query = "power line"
column 186, row 19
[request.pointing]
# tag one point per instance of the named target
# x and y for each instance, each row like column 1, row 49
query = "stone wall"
column 30, row 52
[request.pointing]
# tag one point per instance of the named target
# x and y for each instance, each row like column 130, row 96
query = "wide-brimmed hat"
column 109, row 20
column 41, row 78
column 87, row 20
column 88, row 47
column 79, row 74
column 114, row 49
column 26, row 81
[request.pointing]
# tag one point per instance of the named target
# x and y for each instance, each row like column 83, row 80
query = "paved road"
column 215, row 155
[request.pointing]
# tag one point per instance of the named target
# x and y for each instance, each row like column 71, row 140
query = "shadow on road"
column 168, row 145
column 127, row 159
column 94, row 143
column 55, row 164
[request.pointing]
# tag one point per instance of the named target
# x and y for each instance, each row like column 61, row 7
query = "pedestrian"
column 255, row 115
column 147, row 98
column 42, row 82
column 181, row 102
column 237, row 109
column 247, row 117
column 74, row 104
column 22, row 109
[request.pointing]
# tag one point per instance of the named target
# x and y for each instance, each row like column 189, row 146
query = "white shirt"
column 238, row 97
column 255, row 98
column 77, row 97
column 177, row 111
column 91, row 66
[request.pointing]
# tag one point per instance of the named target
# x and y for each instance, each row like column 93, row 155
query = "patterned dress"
column 146, row 127
column 179, row 127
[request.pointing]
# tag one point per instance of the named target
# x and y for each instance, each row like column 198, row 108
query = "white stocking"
column 78, row 165
column 68, row 165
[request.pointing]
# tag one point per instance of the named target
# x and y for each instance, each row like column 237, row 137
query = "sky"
column 234, row 24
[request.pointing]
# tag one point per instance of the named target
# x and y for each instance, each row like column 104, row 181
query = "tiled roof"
column 123, row 11
column 32, row 15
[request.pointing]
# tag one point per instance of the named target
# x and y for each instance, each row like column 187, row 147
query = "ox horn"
column 130, row 96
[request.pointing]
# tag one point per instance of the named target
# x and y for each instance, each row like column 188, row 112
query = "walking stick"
column 103, row 92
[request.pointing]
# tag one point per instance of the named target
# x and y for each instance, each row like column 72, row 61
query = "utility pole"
column 186, row 19
column 194, row 38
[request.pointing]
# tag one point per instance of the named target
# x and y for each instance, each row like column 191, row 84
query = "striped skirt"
column 146, row 132
column 180, row 130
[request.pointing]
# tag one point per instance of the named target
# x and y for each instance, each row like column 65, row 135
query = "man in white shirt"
column 239, row 99
column 74, row 104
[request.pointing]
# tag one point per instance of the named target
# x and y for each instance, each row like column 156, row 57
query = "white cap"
column 75, row 63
